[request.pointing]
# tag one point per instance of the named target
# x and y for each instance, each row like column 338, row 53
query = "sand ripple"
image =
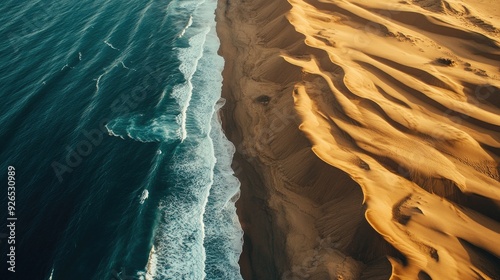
column 402, row 100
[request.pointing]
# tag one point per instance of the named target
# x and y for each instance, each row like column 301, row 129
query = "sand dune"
column 368, row 137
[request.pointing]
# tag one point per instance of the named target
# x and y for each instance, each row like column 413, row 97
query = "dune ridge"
column 368, row 137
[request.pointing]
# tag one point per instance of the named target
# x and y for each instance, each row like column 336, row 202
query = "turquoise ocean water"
column 109, row 116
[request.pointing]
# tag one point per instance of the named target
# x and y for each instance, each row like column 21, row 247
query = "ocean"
column 110, row 121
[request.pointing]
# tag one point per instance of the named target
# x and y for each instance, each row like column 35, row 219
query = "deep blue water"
column 109, row 116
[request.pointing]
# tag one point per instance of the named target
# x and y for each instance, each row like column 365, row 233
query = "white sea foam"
column 161, row 129
column 144, row 196
column 199, row 26
column 112, row 133
column 110, row 45
column 97, row 82
column 123, row 64
column 224, row 236
column 51, row 274
column 199, row 233
column 152, row 264
column 179, row 238
column 189, row 58
column 189, row 23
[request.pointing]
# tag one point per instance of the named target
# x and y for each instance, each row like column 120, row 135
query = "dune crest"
column 401, row 100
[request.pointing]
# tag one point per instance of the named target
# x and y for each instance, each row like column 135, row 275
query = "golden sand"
column 368, row 137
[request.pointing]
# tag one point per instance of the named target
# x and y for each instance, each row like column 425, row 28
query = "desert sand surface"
column 367, row 135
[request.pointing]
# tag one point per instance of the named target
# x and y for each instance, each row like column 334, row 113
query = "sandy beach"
column 367, row 136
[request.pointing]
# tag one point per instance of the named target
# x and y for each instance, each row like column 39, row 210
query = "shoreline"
column 244, row 171
column 267, row 184
column 349, row 166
